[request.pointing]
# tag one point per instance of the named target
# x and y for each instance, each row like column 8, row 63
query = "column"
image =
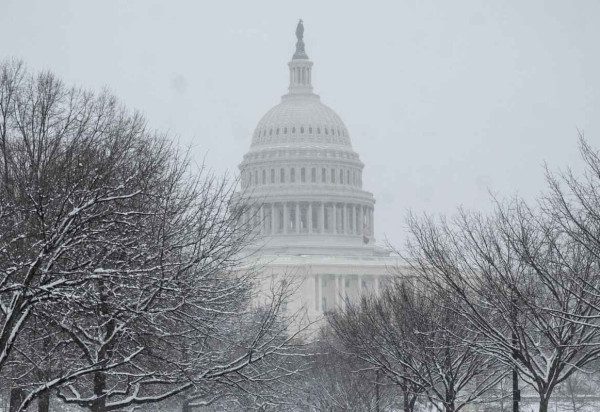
column 334, row 217
column 336, row 290
column 297, row 217
column 309, row 217
column 272, row 218
column 322, row 218
column 360, row 220
column 285, row 217
column 317, row 292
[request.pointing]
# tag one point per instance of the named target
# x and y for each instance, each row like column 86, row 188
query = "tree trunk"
column 16, row 398
column 44, row 402
column 186, row 407
column 544, row 401
column 377, row 396
column 450, row 406
column 409, row 401
column 99, row 403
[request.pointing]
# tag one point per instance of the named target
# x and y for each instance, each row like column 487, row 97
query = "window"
column 277, row 131
column 310, row 130
column 270, row 132
column 313, row 175
column 302, row 129
column 318, row 130
column 292, row 175
column 256, row 177
column 326, row 131
column 303, row 175
column 272, row 175
column 347, row 177
column 264, row 177
column 282, row 176
column 293, row 130
column 323, row 175
column 332, row 175
column 341, row 177
column 285, row 130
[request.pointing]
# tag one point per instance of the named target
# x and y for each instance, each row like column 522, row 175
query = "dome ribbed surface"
column 301, row 118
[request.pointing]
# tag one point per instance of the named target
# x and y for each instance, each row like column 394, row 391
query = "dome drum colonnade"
column 301, row 175
column 312, row 217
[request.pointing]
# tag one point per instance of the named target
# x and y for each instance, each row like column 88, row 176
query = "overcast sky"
column 444, row 100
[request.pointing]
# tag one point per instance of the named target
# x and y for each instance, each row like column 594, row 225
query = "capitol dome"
column 300, row 119
column 302, row 178
column 302, row 191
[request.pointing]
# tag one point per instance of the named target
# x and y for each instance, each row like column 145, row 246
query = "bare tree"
column 338, row 381
column 517, row 275
column 119, row 264
column 411, row 337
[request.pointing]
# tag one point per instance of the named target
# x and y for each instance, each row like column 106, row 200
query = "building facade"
column 304, row 182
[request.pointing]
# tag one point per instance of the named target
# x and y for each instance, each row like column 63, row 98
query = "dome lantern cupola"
column 300, row 66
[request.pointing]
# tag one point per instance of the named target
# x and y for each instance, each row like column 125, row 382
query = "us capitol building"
column 303, row 182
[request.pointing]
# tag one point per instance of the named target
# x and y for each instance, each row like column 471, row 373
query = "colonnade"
column 313, row 217
column 331, row 290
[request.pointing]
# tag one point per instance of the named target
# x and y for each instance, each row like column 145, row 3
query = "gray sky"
column 443, row 100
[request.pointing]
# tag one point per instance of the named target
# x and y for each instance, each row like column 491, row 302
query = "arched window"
column 313, row 175
column 341, row 177
column 323, row 175
column 264, row 177
column 332, row 175
column 272, row 176
column 282, row 175
column 303, row 175
column 292, row 175
column 347, row 177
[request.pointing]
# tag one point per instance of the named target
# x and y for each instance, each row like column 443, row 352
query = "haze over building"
column 304, row 182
